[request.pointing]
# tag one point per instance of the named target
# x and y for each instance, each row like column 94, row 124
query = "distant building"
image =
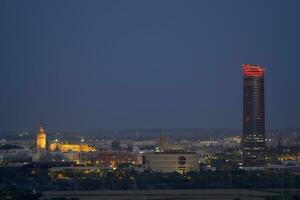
column 171, row 161
column 15, row 154
column 41, row 150
column 162, row 140
column 71, row 147
column 41, row 139
column 107, row 159
column 253, row 138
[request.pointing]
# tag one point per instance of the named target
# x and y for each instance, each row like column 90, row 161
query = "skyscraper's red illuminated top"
column 252, row 70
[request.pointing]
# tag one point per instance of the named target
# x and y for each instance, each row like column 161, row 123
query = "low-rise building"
column 171, row 161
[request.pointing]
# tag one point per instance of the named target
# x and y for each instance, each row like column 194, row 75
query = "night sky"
column 93, row 65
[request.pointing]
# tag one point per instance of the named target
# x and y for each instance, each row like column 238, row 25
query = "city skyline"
column 144, row 65
column 171, row 99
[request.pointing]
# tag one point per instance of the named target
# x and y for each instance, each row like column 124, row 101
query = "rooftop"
column 253, row 70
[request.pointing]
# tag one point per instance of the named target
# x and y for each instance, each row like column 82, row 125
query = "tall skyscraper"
column 253, row 139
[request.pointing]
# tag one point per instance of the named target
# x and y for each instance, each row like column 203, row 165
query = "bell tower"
column 41, row 138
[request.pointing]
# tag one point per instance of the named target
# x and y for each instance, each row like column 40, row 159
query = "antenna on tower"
column 41, row 126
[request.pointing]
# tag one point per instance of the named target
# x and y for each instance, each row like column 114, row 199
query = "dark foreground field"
column 205, row 194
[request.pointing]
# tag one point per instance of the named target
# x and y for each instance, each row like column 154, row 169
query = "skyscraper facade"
column 253, row 138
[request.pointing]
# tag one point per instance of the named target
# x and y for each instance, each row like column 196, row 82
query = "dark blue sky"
column 91, row 65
